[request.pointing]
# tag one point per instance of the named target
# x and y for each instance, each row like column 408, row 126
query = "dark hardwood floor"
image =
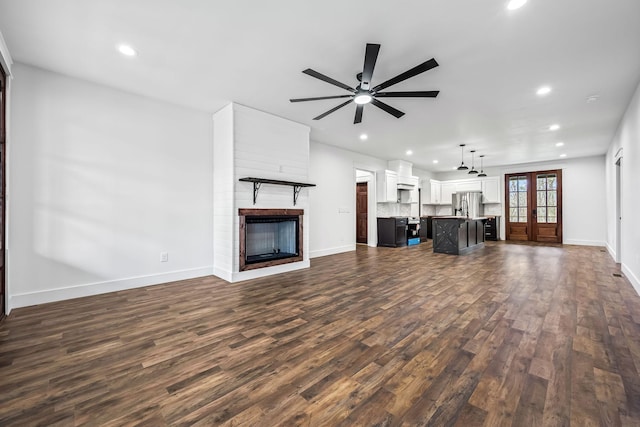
column 509, row 335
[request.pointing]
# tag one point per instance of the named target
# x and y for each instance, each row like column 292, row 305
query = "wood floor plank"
column 508, row 335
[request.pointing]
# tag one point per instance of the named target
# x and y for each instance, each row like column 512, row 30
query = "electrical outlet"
column 164, row 256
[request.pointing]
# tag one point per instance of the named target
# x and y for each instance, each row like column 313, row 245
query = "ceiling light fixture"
column 362, row 98
column 126, row 50
column 435, row 162
column 554, row 127
column 563, row 155
column 364, row 136
column 462, row 167
column 559, row 144
column 482, row 174
column 515, row 4
column 409, row 152
column 473, row 170
column 544, row 90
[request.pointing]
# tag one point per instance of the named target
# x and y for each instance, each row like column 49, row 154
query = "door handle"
column 533, row 212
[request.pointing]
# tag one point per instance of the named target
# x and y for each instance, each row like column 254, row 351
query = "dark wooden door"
column 362, row 219
column 3, row 150
column 534, row 206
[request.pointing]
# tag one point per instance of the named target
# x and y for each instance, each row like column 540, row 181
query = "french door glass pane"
column 547, row 198
column 518, row 199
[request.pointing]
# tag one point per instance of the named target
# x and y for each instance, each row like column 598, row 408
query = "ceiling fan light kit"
column 364, row 94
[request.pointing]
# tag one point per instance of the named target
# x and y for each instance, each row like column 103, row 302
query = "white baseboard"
column 611, row 251
column 332, row 251
column 223, row 274
column 635, row 282
column 584, row 242
column 78, row 291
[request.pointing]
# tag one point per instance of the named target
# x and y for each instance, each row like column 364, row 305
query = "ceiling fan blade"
column 320, row 97
column 331, row 111
column 370, row 57
column 417, row 94
column 324, row 78
column 425, row 66
column 388, row 108
column 359, row 110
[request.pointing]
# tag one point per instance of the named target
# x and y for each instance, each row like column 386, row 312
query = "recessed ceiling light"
column 544, row 90
column 515, row 4
column 559, row 144
column 563, row 155
column 126, row 50
column 409, row 152
column 455, row 168
column 364, row 136
column 554, row 127
column 435, row 162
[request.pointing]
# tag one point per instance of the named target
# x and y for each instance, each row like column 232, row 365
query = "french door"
column 534, row 206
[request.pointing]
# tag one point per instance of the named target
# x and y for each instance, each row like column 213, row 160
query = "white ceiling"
column 206, row 53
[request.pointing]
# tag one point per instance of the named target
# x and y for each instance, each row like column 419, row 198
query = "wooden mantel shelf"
column 257, row 182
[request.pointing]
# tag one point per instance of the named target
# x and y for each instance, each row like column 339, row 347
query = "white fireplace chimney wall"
column 251, row 143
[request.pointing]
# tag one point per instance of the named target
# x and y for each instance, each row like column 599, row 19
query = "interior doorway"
column 362, row 212
column 534, row 206
column 3, row 151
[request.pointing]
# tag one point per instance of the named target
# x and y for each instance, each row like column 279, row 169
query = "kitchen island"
column 457, row 235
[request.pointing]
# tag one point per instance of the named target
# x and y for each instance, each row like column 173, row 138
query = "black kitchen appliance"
column 492, row 228
column 392, row 231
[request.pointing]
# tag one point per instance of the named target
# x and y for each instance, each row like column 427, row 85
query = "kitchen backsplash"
column 394, row 209
column 493, row 209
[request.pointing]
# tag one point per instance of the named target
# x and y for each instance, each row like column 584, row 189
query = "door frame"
column 618, row 165
column 372, row 227
column 532, row 235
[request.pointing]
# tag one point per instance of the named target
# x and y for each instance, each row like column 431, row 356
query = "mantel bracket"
column 256, row 188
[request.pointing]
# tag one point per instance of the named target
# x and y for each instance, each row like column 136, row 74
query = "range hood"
column 406, row 186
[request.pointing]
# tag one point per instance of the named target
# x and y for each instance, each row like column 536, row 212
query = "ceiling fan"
column 364, row 93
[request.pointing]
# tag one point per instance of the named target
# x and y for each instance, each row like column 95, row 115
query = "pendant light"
column 462, row 166
column 481, row 174
column 473, row 170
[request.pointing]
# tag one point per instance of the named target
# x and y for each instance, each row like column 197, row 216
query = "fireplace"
column 270, row 237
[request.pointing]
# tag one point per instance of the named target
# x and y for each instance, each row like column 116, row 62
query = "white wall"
column 333, row 201
column 252, row 143
column 583, row 196
column 627, row 138
column 101, row 182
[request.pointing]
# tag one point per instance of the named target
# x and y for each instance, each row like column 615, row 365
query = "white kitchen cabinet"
column 387, row 186
column 468, row 185
column 435, row 192
column 446, row 190
column 491, row 190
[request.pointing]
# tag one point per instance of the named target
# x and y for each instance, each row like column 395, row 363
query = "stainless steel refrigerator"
column 467, row 204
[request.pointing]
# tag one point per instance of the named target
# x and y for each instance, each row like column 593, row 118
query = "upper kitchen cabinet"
column 447, row 189
column 491, row 190
column 468, row 185
column 435, row 194
column 387, row 186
